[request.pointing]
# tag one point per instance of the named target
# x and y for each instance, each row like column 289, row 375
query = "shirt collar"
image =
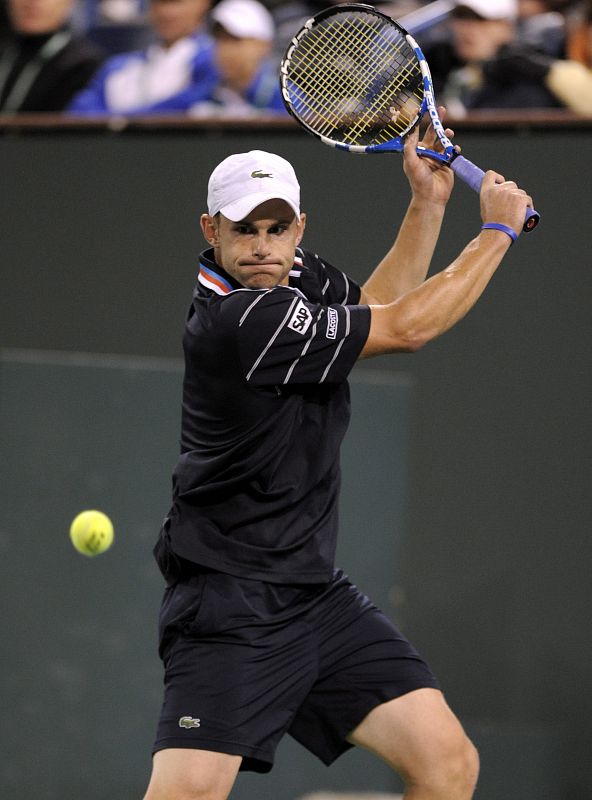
column 216, row 279
column 213, row 277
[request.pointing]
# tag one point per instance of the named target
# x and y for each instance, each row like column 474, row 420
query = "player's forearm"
column 406, row 264
column 439, row 303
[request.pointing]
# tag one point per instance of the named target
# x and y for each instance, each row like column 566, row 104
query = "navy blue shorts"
column 247, row 661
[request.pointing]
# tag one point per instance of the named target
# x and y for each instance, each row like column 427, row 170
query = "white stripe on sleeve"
column 306, row 346
column 346, row 289
column 339, row 346
column 253, row 304
column 273, row 338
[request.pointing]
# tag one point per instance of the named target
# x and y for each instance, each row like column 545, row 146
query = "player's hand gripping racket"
column 358, row 81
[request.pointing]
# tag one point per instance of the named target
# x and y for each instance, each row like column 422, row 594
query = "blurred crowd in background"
column 220, row 57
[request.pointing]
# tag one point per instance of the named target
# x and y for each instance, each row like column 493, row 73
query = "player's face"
column 259, row 250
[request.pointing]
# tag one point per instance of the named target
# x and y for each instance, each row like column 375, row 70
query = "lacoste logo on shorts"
column 257, row 173
column 301, row 318
column 189, row 722
column 332, row 322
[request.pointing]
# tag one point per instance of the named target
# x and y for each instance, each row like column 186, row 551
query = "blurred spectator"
column 290, row 15
column 426, row 21
column 168, row 76
column 121, row 11
column 465, row 69
column 570, row 80
column 579, row 40
column 118, row 26
column 244, row 34
column 4, row 25
column 42, row 63
column 541, row 25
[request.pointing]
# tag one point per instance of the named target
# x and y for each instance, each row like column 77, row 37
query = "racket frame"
column 470, row 173
column 394, row 145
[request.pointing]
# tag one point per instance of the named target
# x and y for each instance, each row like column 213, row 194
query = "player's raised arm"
column 406, row 264
column 434, row 307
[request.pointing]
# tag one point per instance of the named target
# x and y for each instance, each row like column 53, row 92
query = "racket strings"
column 367, row 113
column 370, row 43
column 323, row 82
column 357, row 76
column 333, row 80
column 326, row 79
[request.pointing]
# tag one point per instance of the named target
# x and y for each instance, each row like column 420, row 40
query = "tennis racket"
column 356, row 80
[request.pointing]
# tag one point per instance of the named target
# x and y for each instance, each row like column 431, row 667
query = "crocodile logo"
column 189, row 722
column 259, row 174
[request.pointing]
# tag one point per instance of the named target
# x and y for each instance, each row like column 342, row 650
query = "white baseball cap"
column 245, row 19
column 492, row 9
column 243, row 181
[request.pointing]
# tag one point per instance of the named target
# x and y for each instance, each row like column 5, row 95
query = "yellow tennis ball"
column 91, row 532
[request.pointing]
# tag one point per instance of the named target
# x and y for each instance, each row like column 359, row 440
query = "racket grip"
column 468, row 172
column 473, row 176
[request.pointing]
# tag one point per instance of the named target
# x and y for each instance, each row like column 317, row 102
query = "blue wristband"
column 497, row 226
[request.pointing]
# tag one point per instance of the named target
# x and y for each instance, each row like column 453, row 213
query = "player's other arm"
column 406, row 264
column 424, row 313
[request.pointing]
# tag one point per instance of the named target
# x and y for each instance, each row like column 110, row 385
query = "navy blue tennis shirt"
column 265, row 408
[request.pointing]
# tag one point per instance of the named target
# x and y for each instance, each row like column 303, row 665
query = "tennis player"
column 260, row 635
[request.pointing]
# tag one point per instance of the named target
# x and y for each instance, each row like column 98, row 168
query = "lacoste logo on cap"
column 189, row 722
column 257, row 173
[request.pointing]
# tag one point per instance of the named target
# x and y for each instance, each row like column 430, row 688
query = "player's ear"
column 301, row 227
column 209, row 229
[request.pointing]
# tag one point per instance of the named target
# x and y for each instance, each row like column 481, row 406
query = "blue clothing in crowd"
column 264, row 94
column 154, row 80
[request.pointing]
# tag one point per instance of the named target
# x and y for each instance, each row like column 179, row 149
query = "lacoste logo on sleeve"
column 189, row 722
column 332, row 322
column 257, row 173
column 300, row 319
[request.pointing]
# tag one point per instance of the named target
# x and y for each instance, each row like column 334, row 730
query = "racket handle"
column 473, row 176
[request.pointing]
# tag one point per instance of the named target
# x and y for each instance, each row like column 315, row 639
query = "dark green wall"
column 99, row 245
column 81, row 681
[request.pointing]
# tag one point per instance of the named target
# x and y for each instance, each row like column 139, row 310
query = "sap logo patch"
column 301, row 318
column 332, row 323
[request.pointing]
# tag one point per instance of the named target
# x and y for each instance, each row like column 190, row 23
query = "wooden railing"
column 481, row 121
